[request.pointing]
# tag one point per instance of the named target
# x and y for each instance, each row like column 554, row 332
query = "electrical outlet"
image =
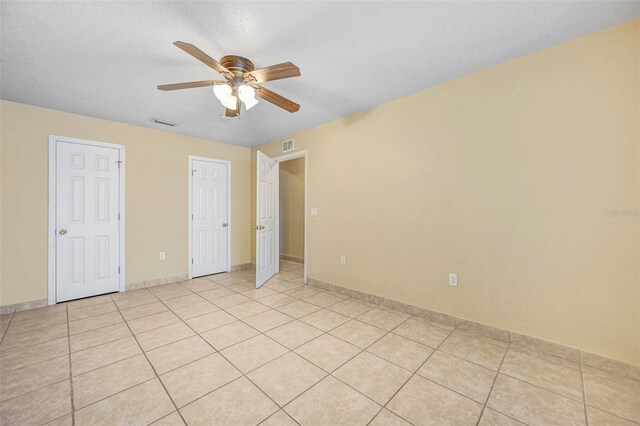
column 343, row 260
column 162, row 256
column 453, row 280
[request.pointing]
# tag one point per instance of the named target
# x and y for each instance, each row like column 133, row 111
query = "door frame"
column 52, row 198
column 286, row 157
column 190, row 220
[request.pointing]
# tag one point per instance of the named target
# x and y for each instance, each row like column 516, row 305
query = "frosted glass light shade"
column 250, row 103
column 222, row 91
column 246, row 93
column 229, row 102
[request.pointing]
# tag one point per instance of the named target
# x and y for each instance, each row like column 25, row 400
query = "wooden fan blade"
column 189, row 85
column 204, row 58
column 274, row 72
column 276, row 99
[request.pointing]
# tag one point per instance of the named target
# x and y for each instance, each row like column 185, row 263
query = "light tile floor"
column 215, row 350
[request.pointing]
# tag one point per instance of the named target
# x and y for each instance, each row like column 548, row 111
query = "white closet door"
column 87, row 228
column 210, row 230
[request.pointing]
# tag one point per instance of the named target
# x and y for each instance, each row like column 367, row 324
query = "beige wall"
column 292, row 208
column 156, row 196
column 502, row 177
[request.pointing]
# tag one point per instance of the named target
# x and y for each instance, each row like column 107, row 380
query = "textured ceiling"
column 104, row 59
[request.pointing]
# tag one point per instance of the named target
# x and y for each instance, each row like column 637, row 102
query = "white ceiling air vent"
column 287, row 145
column 163, row 122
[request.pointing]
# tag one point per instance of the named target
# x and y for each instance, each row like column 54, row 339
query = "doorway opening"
column 274, row 230
column 291, row 217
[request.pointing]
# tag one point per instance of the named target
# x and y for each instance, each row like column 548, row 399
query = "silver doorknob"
column 224, row 225
column 63, row 231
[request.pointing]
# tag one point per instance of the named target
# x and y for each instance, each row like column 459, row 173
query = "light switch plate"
column 314, row 211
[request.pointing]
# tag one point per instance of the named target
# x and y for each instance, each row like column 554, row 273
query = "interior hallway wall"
column 292, row 208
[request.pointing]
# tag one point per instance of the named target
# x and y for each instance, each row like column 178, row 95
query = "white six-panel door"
column 87, row 207
column 209, row 220
column 266, row 232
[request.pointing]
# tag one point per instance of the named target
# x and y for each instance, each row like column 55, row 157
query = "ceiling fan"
column 242, row 81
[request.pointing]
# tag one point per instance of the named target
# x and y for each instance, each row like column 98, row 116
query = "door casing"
column 51, row 248
column 229, row 221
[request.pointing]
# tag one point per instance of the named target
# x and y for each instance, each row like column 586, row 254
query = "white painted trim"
column 190, row 191
column 277, row 253
column 51, row 244
column 292, row 156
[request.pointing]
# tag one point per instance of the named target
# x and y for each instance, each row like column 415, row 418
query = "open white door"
column 266, row 232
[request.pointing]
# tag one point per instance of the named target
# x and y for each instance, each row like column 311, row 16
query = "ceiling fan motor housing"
column 237, row 64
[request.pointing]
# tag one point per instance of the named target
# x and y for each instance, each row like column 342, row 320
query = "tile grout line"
column 68, row 336
column 288, row 351
column 6, row 329
column 119, row 392
column 31, row 329
column 422, row 344
column 285, row 413
column 584, row 396
column 330, row 374
column 361, row 350
column 133, row 335
column 382, row 406
column 495, row 379
column 617, row 416
column 260, row 366
column 531, row 384
column 73, row 416
column 242, row 374
column 541, row 387
column 154, row 372
column 37, row 389
column 412, row 376
column 106, row 365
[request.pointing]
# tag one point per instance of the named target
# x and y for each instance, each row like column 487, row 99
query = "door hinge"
column 118, row 269
column 119, row 162
column 191, row 216
column 118, row 216
column 193, row 172
column 192, row 260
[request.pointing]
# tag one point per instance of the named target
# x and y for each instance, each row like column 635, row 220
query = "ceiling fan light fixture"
column 250, row 103
column 222, row 91
column 246, row 93
column 229, row 102
column 242, row 83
